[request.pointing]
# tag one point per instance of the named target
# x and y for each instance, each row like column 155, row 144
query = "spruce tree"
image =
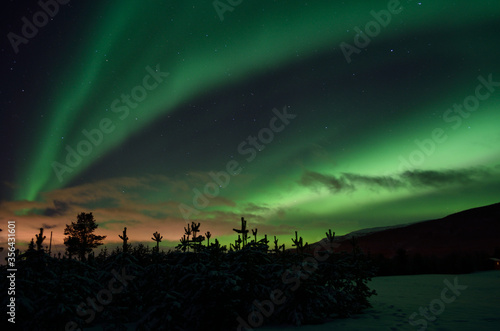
column 125, row 239
column 39, row 240
column 156, row 237
column 81, row 238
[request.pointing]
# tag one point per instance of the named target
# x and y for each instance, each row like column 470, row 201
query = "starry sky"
column 297, row 115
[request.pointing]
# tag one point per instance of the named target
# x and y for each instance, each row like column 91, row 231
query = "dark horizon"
column 469, row 217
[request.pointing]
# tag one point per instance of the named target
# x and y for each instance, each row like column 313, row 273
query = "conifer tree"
column 39, row 240
column 81, row 238
column 243, row 231
column 208, row 235
column 278, row 247
column 254, row 232
column 185, row 240
column 298, row 242
column 156, row 237
column 125, row 239
column 31, row 246
column 184, row 243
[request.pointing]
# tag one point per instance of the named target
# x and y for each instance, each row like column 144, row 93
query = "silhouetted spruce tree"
column 243, row 231
column 277, row 247
column 254, row 232
column 208, row 235
column 156, row 237
column 39, row 240
column 297, row 242
column 195, row 228
column 81, row 239
column 330, row 236
column 185, row 239
column 237, row 244
column 125, row 239
column 31, row 246
column 217, row 247
column 31, row 251
column 184, row 243
column 196, row 241
column 141, row 251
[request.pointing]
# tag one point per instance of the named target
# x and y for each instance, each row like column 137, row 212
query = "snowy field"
column 476, row 307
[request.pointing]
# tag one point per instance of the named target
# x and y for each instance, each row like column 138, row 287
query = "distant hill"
column 472, row 230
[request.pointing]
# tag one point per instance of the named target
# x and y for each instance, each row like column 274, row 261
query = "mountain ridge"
column 468, row 231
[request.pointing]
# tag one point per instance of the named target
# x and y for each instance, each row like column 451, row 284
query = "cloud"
column 334, row 184
column 386, row 182
column 60, row 208
column 253, row 208
column 419, row 178
column 144, row 204
column 348, row 182
column 48, row 227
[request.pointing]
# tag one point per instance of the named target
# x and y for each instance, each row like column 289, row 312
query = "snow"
column 476, row 307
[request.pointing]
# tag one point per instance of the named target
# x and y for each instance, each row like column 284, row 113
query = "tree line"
column 201, row 285
column 80, row 240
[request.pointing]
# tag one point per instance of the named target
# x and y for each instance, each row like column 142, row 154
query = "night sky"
column 297, row 115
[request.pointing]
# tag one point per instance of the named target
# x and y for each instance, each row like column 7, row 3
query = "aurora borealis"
column 130, row 109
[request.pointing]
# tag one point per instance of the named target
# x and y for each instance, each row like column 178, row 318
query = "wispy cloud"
column 333, row 183
column 446, row 178
column 60, row 207
column 144, row 204
column 348, row 182
column 48, row 226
